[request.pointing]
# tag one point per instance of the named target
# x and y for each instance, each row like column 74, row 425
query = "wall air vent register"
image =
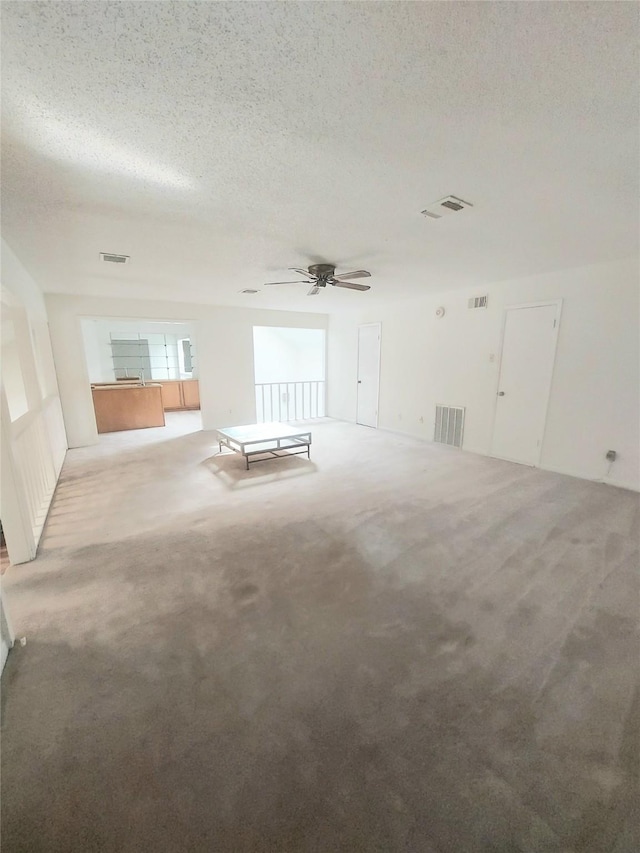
column 478, row 302
column 449, row 425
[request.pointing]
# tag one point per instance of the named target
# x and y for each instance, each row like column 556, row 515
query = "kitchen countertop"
column 124, row 386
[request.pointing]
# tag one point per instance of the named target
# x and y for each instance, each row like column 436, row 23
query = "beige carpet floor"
column 394, row 647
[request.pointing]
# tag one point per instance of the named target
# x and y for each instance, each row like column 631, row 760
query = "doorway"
column 368, row 374
column 526, row 369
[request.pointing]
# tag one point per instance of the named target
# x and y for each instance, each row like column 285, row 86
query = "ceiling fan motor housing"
column 322, row 271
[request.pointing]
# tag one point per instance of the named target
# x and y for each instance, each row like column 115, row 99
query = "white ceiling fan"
column 320, row 275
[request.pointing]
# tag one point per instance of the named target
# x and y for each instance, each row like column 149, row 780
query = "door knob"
column 500, row 393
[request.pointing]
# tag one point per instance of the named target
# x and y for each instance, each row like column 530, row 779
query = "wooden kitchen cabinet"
column 171, row 395
column 180, row 394
column 191, row 394
column 121, row 407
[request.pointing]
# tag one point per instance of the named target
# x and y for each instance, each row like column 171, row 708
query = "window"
column 185, row 361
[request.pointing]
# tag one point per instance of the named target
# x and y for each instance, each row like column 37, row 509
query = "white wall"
column 12, row 373
column 225, row 354
column 7, row 635
column 33, row 437
column 594, row 404
column 99, row 366
column 289, row 355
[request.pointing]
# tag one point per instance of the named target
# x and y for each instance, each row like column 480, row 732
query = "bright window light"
column 70, row 141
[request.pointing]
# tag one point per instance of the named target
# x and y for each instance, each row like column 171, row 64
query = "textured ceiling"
column 220, row 143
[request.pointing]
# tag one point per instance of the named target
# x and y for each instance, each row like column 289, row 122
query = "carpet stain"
column 245, row 593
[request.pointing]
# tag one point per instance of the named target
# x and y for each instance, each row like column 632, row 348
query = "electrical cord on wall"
column 611, row 457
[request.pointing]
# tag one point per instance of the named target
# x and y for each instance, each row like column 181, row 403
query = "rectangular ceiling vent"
column 110, row 258
column 445, row 207
column 478, row 302
column 449, row 426
column 249, row 290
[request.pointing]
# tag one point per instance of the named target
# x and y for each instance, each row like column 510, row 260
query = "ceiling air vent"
column 249, row 290
column 114, row 259
column 445, row 206
column 478, row 302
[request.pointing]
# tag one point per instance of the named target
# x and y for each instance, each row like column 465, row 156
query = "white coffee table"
column 270, row 440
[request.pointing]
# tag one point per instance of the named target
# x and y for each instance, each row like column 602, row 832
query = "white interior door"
column 368, row 374
column 526, row 368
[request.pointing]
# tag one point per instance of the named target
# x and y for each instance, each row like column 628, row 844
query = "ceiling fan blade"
column 350, row 285
column 354, row 274
column 302, row 272
column 315, row 289
column 300, row 281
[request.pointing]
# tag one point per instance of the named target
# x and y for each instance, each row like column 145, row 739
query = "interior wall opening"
column 153, row 363
column 290, row 373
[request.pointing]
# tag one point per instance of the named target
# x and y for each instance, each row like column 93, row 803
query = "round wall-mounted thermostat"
column 440, row 312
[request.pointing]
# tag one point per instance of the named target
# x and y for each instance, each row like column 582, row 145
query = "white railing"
column 38, row 447
column 289, row 401
column 54, row 423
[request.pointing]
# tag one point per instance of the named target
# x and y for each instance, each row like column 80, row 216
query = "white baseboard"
column 605, row 481
column 402, row 434
column 618, row 484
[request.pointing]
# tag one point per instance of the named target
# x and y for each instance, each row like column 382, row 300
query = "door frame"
column 542, row 304
column 362, row 326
